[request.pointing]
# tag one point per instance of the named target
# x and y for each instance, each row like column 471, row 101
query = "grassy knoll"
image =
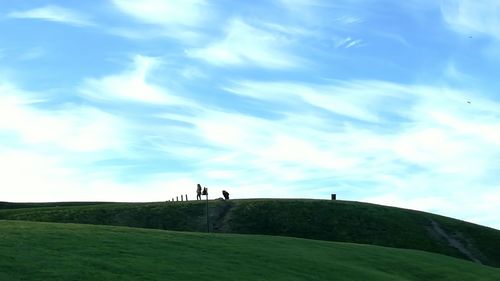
column 48, row 251
column 315, row 219
column 10, row 205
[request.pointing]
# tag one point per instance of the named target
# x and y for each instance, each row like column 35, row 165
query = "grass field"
column 49, row 251
column 342, row 221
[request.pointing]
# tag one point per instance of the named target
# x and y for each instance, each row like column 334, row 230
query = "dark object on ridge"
column 226, row 194
column 334, row 196
column 198, row 192
column 205, row 191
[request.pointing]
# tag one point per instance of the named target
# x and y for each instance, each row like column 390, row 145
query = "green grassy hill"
column 341, row 221
column 10, row 205
column 48, row 251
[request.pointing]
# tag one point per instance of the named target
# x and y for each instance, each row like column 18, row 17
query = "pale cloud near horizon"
column 53, row 13
column 51, row 179
column 71, row 128
column 46, row 153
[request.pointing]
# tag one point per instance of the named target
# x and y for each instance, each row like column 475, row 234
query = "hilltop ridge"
column 341, row 221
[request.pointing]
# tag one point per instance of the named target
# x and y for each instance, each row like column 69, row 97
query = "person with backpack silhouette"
column 225, row 194
column 198, row 192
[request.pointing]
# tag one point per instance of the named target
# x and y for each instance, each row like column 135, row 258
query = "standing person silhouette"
column 198, row 192
column 225, row 194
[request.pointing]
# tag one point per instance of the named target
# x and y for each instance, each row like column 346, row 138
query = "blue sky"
column 391, row 102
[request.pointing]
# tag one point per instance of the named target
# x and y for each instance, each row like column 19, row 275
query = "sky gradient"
column 390, row 102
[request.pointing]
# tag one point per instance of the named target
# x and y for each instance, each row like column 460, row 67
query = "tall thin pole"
column 208, row 221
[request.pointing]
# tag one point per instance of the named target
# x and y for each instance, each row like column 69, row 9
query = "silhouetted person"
column 205, row 191
column 226, row 194
column 198, row 192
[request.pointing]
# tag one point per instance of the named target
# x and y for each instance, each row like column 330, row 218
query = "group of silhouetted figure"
column 204, row 191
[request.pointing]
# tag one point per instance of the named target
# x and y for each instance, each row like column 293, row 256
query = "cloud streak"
column 131, row 85
column 71, row 128
column 182, row 20
column 246, row 45
column 54, row 14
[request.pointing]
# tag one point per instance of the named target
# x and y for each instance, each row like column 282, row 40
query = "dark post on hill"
column 205, row 192
column 334, row 196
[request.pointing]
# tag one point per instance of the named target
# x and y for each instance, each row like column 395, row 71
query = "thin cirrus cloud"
column 354, row 100
column 177, row 19
column 348, row 42
column 54, row 14
column 441, row 130
column 246, row 45
column 131, row 85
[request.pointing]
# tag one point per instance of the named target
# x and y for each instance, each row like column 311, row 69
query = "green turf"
column 48, row 251
column 342, row 221
column 10, row 205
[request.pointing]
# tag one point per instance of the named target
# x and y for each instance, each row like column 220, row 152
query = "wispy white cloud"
column 354, row 100
column 186, row 35
column 244, row 45
column 131, row 85
column 46, row 154
column 37, row 176
column 179, row 19
column 348, row 20
column 71, row 128
column 319, row 14
column 54, row 14
column 348, row 42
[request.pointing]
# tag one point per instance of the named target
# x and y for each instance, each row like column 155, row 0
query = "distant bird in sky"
column 468, row 102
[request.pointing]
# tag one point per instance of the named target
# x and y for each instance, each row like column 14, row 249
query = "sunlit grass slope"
column 49, row 251
column 342, row 221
